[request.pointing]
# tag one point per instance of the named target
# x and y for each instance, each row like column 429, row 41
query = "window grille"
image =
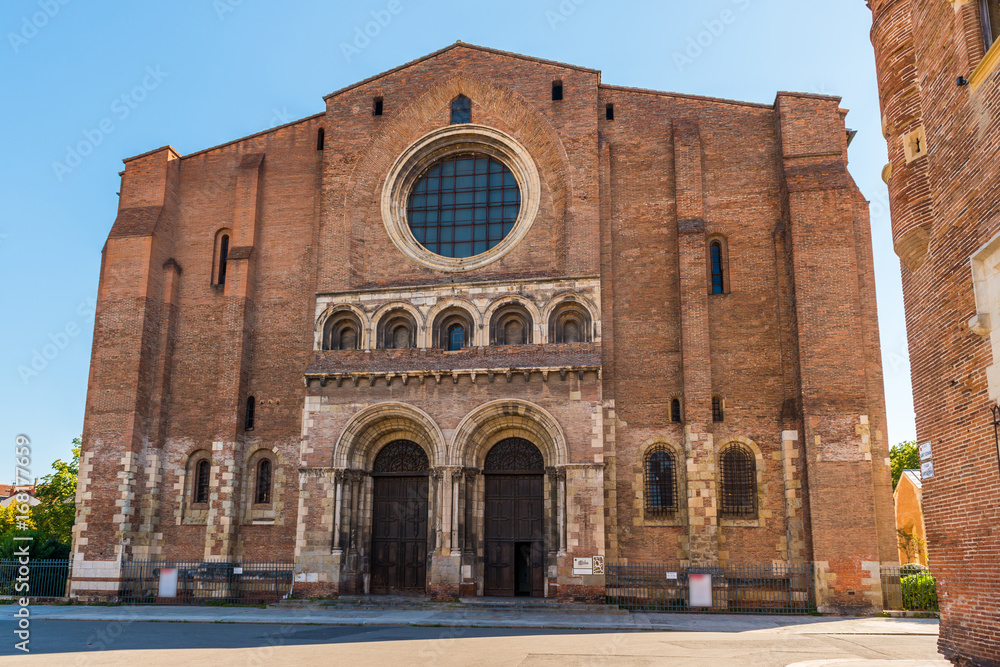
column 661, row 481
column 738, row 488
column 263, row 482
column 201, row 481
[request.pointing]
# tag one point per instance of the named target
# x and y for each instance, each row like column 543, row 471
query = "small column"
column 561, row 507
column 338, row 477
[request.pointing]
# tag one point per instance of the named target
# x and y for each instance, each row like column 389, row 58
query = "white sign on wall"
column 925, row 451
column 583, row 566
column 926, row 469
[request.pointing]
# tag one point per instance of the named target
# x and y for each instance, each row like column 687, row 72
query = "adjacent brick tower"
column 482, row 325
column 939, row 83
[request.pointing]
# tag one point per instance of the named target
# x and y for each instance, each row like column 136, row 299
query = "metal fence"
column 731, row 589
column 909, row 588
column 212, row 582
column 43, row 579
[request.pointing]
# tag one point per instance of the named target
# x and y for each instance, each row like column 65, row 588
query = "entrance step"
column 495, row 605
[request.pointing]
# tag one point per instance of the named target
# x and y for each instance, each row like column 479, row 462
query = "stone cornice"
column 474, row 374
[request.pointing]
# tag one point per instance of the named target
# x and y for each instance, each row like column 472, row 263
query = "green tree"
column 904, row 456
column 56, row 491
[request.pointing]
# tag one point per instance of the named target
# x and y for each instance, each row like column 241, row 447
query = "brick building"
column 485, row 315
column 939, row 84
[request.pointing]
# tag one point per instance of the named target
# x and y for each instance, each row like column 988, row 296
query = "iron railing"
column 44, row 579
column 735, row 589
column 211, row 582
column 909, row 588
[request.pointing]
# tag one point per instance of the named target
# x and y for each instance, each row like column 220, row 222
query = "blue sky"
column 123, row 78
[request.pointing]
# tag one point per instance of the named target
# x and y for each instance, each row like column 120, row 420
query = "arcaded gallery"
column 487, row 326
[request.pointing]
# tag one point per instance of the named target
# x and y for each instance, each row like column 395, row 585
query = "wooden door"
column 399, row 535
column 514, row 511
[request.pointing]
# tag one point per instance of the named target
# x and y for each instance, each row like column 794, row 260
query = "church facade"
column 483, row 316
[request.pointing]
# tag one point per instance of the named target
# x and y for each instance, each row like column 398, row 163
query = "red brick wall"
column 958, row 212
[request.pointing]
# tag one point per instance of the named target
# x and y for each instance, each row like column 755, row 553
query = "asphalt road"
column 145, row 644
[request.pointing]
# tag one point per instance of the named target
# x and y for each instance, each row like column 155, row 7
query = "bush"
column 912, row 568
column 919, row 592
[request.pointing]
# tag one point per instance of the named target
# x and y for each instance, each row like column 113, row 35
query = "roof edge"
column 256, row 134
column 460, row 43
column 721, row 100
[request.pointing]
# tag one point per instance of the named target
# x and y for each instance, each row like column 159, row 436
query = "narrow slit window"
column 609, row 112
column 263, row 495
column 320, row 139
column 675, row 411
column 557, row 90
column 202, row 470
column 377, row 106
column 223, row 259
column 718, row 278
column 461, row 110
column 249, row 418
column 717, row 409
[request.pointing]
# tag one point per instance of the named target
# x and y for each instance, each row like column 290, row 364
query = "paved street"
column 147, row 636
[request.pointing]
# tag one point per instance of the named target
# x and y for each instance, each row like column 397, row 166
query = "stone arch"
column 475, row 317
column 534, row 314
column 418, row 320
column 333, row 310
column 377, row 425
column 507, row 418
column 572, row 299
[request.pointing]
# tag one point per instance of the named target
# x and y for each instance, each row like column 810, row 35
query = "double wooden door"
column 514, row 558
column 399, row 535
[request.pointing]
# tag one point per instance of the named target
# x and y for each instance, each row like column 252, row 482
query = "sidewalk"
column 552, row 619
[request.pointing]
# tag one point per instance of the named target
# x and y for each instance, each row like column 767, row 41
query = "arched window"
column 262, row 495
column 738, row 483
column 989, row 12
column 511, row 325
column 718, row 414
column 461, row 110
column 249, row 416
column 661, row 481
column 220, row 257
column 557, row 89
column 397, row 330
column 342, row 331
column 675, row 411
column 569, row 323
column 320, row 139
column 201, row 477
column 718, row 277
column 453, row 329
